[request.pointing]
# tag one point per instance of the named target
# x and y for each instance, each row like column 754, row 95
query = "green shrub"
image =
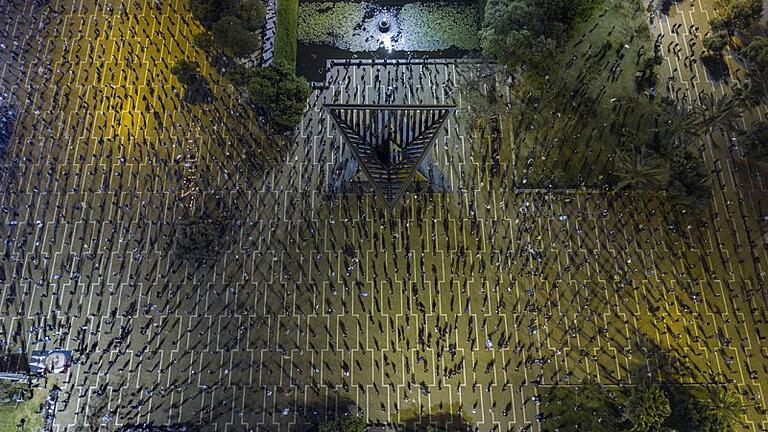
column 250, row 12
column 757, row 54
column 229, row 33
column 716, row 43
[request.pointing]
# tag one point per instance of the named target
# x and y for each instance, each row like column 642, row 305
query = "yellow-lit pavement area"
column 471, row 301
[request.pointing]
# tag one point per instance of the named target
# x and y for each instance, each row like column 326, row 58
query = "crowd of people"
column 468, row 302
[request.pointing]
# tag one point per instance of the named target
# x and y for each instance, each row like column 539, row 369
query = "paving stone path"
column 472, row 301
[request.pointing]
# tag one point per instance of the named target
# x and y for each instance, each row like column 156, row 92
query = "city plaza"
column 456, row 306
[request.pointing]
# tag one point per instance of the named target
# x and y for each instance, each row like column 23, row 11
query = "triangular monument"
column 391, row 144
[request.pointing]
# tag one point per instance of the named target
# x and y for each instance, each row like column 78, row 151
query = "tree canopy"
column 715, row 43
column 195, row 85
column 526, row 32
column 724, row 410
column 277, row 90
column 195, row 239
column 232, row 23
column 688, row 185
column 229, row 34
column 757, row 53
column 351, row 423
column 586, row 407
column 735, row 15
column 755, row 141
column 640, row 170
column 250, row 12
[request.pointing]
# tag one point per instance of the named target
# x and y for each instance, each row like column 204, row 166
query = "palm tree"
column 754, row 140
column 647, row 408
column 640, row 170
column 679, row 122
column 720, row 114
column 724, row 409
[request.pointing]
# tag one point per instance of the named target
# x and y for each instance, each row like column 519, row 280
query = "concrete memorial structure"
column 391, row 144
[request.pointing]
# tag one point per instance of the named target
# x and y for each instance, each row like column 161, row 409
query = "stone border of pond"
column 330, row 63
column 311, row 61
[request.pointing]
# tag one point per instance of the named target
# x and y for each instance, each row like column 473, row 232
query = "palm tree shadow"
column 658, row 364
column 449, row 419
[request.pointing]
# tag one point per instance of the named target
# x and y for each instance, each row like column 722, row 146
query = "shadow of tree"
column 657, row 363
column 666, row 5
column 716, row 67
column 442, row 419
column 684, row 383
column 438, row 418
column 198, row 92
column 312, row 415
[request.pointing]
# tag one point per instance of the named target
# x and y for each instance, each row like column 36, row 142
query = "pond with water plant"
column 384, row 29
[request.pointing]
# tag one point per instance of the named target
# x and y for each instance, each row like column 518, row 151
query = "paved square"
column 469, row 301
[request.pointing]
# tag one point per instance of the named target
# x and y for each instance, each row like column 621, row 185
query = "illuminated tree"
column 735, row 15
column 755, row 141
column 187, row 72
column 195, row 240
column 526, row 33
column 757, row 54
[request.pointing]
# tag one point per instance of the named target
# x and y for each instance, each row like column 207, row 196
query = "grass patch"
column 30, row 411
column 286, row 27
